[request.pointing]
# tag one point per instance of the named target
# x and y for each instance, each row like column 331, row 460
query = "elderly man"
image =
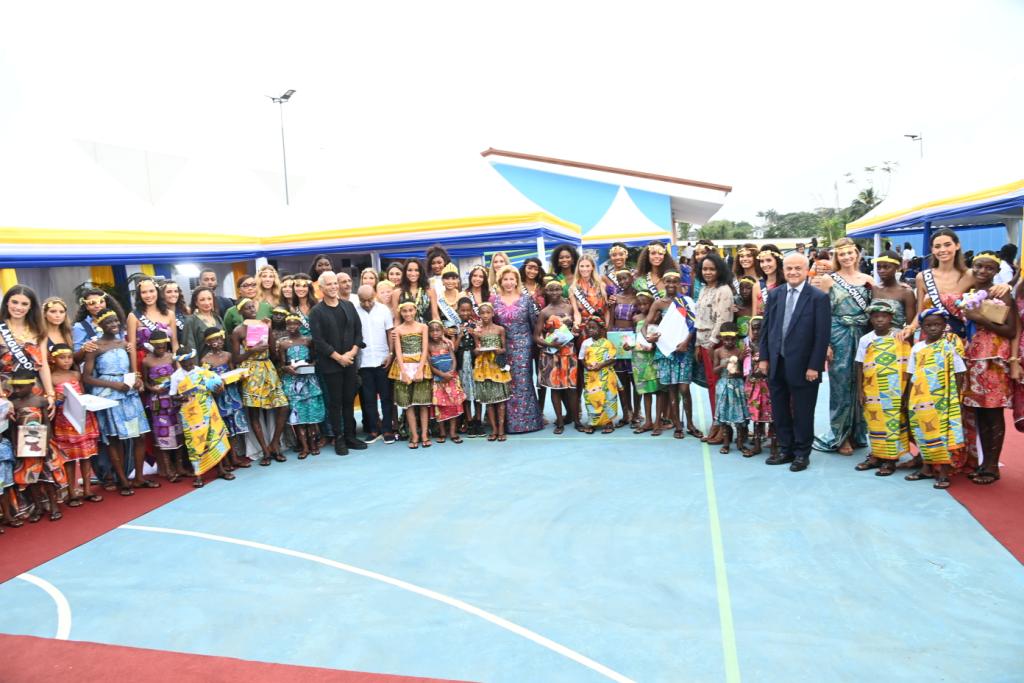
column 374, row 360
column 794, row 340
column 338, row 334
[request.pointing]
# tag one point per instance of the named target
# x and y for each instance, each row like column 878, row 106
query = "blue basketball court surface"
column 553, row 558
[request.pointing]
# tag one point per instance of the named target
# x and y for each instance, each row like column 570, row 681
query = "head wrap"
column 184, row 354
column 932, row 311
column 881, row 306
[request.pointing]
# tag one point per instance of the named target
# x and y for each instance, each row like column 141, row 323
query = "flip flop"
column 918, row 476
column 642, row 429
column 985, row 478
column 868, row 464
column 678, row 434
column 456, row 439
column 941, row 484
column 94, row 498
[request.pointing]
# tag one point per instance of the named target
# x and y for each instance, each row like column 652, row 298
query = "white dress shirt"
column 376, row 322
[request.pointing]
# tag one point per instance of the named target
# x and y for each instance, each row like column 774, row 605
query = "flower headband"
column 657, row 249
column 55, row 300
column 773, row 252
column 624, row 271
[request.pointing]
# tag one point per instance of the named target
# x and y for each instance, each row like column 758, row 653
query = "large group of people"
column 437, row 355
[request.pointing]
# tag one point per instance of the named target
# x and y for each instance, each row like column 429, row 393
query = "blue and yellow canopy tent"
column 984, row 204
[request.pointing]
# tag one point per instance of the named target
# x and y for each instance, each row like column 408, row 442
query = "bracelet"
column 1015, row 359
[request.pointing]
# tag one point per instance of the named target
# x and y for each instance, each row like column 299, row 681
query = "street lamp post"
column 919, row 139
column 284, row 155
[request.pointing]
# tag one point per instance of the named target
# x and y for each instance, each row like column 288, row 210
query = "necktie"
column 787, row 318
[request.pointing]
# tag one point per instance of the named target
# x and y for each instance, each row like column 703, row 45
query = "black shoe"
column 355, row 444
column 778, row 459
column 339, row 446
column 799, row 464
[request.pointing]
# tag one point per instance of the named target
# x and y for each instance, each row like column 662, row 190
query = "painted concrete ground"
column 572, row 558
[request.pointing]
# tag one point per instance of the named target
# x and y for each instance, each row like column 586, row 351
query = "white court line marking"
column 406, row 586
column 63, row 608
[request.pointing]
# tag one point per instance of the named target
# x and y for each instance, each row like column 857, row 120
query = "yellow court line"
column 732, row 662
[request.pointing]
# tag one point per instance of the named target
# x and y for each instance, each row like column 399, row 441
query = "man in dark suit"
column 797, row 325
column 338, row 334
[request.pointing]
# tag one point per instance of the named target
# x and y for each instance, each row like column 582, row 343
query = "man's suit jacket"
column 808, row 335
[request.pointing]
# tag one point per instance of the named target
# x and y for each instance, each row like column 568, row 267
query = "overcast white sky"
column 778, row 99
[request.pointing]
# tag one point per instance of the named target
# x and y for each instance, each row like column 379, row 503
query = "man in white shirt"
column 374, row 359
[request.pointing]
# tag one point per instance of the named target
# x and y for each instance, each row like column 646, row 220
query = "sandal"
column 413, row 445
column 146, row 484
column 693, row 431
column 942, row 483
column 588, row 430
column 94, row 498
column 643, row 428
column 280, row 457
column 724, row 450
column 440, row 439
column 985, row 478
column 918, row 476
column 35, row 516
column 608, row 429
column 227, row 476
column 174, row 479
column 74, row 502
column 243, row 463
column 265, row 461
column 198, row 483
column 870, row 463
column 886, row 469
column 127, row 491
column 303, row 455
column 678, row 434
column 456, row 439
column 492, row 437
column 559, row 428
column 656, row 431
column 15, row 523
column 55, row 515
column 501, row 437
column 428, row 443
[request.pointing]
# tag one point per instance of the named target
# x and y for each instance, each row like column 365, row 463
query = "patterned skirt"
column 676, row 368
column 6, row 464
column 262, row 388
column 164, row 422
column 414, row 394
column 126, row 420
column 73, row 445
column 557, row 370
column 987, row 384
column 232, row 410
column 759, row 401
column 448, row 398
column 731, row 401
column 645, row 372
column 305, row 398
column 466, row 376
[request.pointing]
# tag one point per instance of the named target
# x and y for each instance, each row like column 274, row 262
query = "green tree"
column 726, row 230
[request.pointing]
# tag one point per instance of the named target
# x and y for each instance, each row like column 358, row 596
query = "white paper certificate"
column 673, row 329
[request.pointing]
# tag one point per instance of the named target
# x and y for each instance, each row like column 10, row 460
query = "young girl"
column 601, row 387
column 229, row 401
column 934, row 382
column 411, row 373
column 988, row 388
column 157, row 369
column 623, row 308
column 206, row 437
column 491, row 380
column 6, row 467
column 675, row 370
column 447, row 390
column 879, row 366
column 730, row 400
column 743, row 309
column 104, row 373
column 888, row 264
column 76, row 448
column 303, row 390
column 464, row 350
column 42, row 475
column 261, row 389
column 645, row 373
column 759, row 401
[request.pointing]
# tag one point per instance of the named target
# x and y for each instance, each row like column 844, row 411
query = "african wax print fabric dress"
column 600, row 387
column 935, row 413
column 230, row 406
column 127, row 420
column 589, row 302
column 262, row 387
column 845, row 417
column 987, row 384
column 422, row 301
column 162, row 411
column 491, row 382
column 72, row 445
column 305, row 396
column 759, row 401
column 522, row 412
column 676, row 367
column 1018, row 386
column 731, row 399
column 417, row 393
column 206, row 436
column 742, row 326
column 9, row 363
column 884, row 362
column 623, row 312
column 6, row 459
column 558, row 370
column 448, row 394
column 645, row 372
column 464, row 352
column 48, row 467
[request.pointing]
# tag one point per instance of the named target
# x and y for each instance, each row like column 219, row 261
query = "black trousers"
column 340, row 388
column 793, row 412
column 375, row 384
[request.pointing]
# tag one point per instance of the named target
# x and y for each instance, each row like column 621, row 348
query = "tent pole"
column 540, row 248
column 375, row 260
column 926, row 238
column 878, row 250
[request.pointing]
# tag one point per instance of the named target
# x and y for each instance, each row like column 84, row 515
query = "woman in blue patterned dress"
column 849, row 292
column 514, row 312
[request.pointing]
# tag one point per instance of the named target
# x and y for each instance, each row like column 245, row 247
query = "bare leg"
column 139, row 453
column 256, row 425
column 302, row 438
column 280, row 419
column 411, row 421
column 726, row 438
column 501, row 421
column 556, row 403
